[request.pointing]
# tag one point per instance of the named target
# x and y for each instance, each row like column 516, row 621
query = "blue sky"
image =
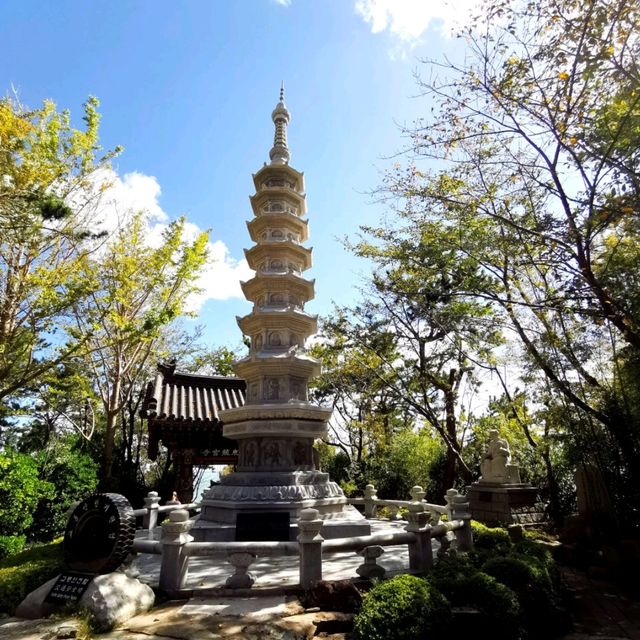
column 187, row 87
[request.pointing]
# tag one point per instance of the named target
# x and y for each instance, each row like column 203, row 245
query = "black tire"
column 99, row 533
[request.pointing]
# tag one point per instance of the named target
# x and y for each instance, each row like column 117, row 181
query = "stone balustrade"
column 424, row 525
column 371, row 502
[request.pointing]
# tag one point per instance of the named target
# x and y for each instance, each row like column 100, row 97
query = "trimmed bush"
column 402, row 608
column 22, row 573
column 490, row 538
column 536, row 591
column 463, row 585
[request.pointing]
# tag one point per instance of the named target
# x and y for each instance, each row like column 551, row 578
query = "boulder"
column 111, row 599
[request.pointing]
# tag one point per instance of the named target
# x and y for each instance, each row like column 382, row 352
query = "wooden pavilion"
column 181, row 410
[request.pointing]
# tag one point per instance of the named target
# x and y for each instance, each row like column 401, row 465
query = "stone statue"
column 496, row 461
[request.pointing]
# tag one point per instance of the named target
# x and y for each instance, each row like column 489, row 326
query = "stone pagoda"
column 276, row 475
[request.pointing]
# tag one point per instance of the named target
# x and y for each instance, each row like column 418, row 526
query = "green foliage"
column 494, row 539
column 463, row 585
column 459, row 580
column 537, row 592
column 140, row 289
column 22, row 573
column 45, row 165
column 73, row 474
column 402, row 608
column 10, row 545
column 217, row 361
column 20, row 491
column 410, row 459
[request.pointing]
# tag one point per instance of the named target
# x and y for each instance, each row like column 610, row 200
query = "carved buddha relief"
column 272, row 453
column 272, row 390
column 275, row 339
column 300, row 453
column 249, row 451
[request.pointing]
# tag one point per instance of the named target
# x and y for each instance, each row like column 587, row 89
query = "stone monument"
column 499, row 497
column 276, row 476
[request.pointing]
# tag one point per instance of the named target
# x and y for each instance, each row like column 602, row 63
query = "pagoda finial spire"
column 279, row 153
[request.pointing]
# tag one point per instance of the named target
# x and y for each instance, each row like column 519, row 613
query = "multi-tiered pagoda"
column 276, row 475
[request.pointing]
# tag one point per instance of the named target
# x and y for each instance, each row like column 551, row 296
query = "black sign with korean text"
column 69, row 588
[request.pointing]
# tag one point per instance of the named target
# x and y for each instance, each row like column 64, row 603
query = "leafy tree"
column 212, row 361
column 436, row 339
column 48, row 188
column 139, row 290
column 365, row 416
column 536, row 194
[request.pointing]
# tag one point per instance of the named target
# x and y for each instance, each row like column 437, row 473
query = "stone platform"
column 494, row 503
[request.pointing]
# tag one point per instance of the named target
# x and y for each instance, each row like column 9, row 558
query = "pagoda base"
column 278, row 497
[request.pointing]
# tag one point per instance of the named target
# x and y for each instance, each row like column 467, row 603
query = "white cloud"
column 220, row 279
column 283, row 3
column 408, row 20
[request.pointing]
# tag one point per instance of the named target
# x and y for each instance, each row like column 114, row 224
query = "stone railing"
column 176, row 545
column 371, row 502
column 152, row 509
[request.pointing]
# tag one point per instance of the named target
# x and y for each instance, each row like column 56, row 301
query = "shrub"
column 488, row 538
column 22, row 573
column 536, row 591
column 74, row 476
column 20, row 491
column 402, row 608
column 463, row 585
column 10, row 545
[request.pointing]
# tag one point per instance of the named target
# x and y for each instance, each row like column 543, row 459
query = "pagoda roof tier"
column 294, row 203
column 272, row 220
column 278, row 251
column 285, row 319
column 289, row 363
column 264, row 283
column 270, row 172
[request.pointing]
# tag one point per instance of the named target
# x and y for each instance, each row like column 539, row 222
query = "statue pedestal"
column 494, row 503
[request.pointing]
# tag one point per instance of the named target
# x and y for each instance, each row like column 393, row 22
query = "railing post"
column 420, row 551
column 174, row 567
column 241, row 578
column 464, row 536
column 370, row 568
column 369, row 501
column 310, row 542
column 150, row 518
column 449, row 496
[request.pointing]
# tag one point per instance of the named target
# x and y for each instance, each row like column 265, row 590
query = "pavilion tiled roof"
column 178, row 397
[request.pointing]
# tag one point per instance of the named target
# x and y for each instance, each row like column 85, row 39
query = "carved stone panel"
column 272, row 389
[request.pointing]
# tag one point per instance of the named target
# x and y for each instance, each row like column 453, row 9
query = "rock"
column 340, row 595
column 113, row 598
column 66, row 631
column 33, row 606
